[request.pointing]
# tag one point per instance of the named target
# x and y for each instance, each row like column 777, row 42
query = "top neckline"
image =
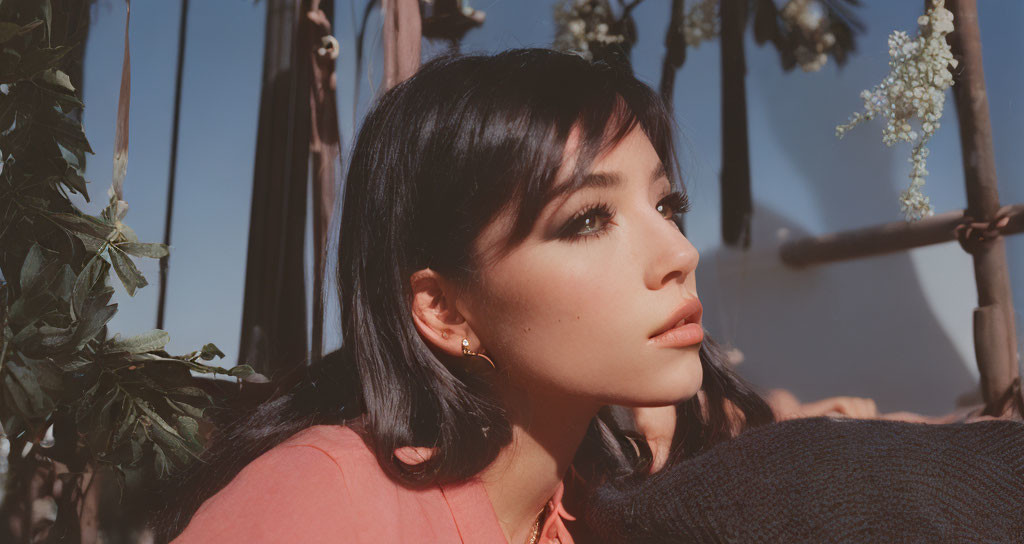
column 477, row 521
column 472, row 509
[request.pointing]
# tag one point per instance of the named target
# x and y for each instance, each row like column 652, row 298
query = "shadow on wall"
column 857, row 328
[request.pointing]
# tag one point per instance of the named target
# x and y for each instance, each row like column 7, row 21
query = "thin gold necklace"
column 536, row 531
column 536, row 526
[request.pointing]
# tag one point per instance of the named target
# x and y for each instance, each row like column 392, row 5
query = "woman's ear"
column 434, row 313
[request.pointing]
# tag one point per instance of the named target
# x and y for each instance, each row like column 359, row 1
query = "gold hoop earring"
column 467, row 352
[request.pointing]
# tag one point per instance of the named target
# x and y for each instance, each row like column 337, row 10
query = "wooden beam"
column 883, row 239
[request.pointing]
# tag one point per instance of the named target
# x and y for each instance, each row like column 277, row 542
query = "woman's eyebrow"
column 602, row 180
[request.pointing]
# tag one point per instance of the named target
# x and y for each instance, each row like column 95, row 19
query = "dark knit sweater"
column 829, row 479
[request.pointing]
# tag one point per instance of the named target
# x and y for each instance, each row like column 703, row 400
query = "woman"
column 511, row 264
column 521, row 206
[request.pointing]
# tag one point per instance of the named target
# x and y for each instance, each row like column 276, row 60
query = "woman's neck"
column 546, row 432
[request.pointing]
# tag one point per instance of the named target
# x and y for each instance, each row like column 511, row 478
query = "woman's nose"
column 671, row 257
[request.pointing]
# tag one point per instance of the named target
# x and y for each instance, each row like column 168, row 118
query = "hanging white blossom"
column 913, row 91
column 701, row 23
column 581, row 23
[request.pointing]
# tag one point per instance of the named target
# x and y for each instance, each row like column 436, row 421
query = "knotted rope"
column 976, row 235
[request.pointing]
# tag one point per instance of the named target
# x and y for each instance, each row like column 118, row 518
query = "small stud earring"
column 467, row 352
column 444, row 334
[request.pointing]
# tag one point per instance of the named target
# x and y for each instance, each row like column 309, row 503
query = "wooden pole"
column 737, row 207
column 998, row 367
column 273, row 336
column 172, row 176
column 675, row 53
column 324, row 147
column 403, row 34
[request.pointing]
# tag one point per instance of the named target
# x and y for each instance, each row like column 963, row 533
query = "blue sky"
column 805, row 181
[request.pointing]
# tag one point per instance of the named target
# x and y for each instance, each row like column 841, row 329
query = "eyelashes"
column 675, row 203
column 678, row 203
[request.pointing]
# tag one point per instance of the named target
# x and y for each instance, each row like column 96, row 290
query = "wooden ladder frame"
column 979, row 228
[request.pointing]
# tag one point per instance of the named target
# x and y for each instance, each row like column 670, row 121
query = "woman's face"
column 575, row 316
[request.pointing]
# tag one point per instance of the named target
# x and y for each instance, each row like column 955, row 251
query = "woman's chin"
column 678, row 386
column 681, row 380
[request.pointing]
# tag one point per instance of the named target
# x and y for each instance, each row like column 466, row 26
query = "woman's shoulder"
column 302, row 489
column 341, row 443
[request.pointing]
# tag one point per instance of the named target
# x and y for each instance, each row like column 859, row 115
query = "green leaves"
column 63, row 130
column 241, row 371
column 25, row 390
column 116, row 241
column 93, row 271
column 210, row 351
column 10, row 30
column 126, row 270
column 31, row 267
column 29, row 389
column 153, row 251
column 151, row 341
column 85, row 224
column 132, row 404
column 38, row 60
column 56, row 78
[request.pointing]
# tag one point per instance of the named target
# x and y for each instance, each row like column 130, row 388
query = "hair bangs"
column 593, row 114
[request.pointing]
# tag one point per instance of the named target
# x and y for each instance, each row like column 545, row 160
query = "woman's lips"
column 682, row 328
column 683, row 335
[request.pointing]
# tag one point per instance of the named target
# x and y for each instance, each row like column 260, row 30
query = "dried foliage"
column 807, row 32
column 593, row 30
column 449, row 20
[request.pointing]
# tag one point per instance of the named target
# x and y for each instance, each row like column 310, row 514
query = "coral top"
column 324, row 485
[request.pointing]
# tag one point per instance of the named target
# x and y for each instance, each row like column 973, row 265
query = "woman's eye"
column 673, row 204
column 592, row 221
column 588, row 223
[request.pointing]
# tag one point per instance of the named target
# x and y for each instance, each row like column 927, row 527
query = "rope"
column 975, row 236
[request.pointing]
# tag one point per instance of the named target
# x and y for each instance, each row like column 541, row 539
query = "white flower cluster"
column 808, row 17
column 701, row 23
column 915, row 88
column 582, row 23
